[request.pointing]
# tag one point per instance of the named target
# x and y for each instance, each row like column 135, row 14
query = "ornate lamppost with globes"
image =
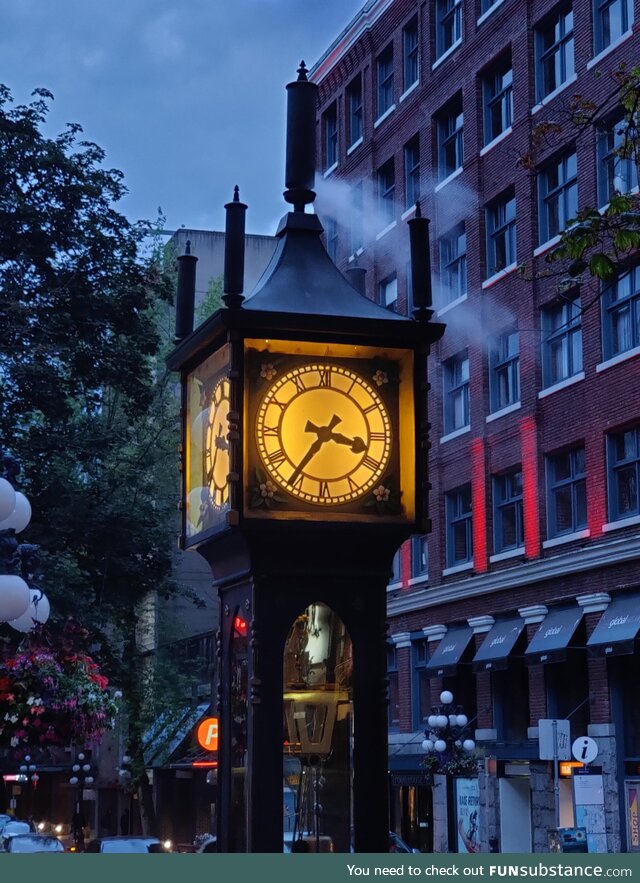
column 446, row 729
column 81, row 774
column 450, row 752
column 22, row 604
column 29, row 776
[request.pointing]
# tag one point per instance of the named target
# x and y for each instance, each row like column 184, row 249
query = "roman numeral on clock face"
column 325, row 377
column 370, row 463
column 277, row 457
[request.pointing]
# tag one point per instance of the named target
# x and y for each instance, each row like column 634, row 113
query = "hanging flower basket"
column 50, row 698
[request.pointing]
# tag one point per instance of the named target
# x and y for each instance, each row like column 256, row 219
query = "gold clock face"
column 216, row 449
column 323, row 434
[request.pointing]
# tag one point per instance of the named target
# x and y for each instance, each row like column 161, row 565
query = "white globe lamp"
column 446, row 697
column 7, row 499
column 15, row 597
column 440, row 745
column 20, row 516
column 37, row 613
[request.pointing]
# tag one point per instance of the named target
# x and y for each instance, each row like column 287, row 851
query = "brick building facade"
column 535, row 399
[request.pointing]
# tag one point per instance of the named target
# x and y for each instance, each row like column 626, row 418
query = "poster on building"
column 467, row 800
column 588, row 798
column 632, row 790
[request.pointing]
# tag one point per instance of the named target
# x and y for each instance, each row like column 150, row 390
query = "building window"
column 330, row 125
column 389, row 293
column 498, row 100
column 501, row 233
column 624, row 472
column 354, row 105
column 356, row 219
column 448, row 24
column 410, row 54
column 453, row 264
column 412, row 171
column 617, row 167
column 421, row 703
column 459, row 535
column 561, row 341
column 419, row 556
column 385, row 80
column 567, row 494
column 558, row 187
column 386, row 191
column 612, row 19
column 554, row 52
column 450, row 138
column 508, row 527
column 486, row 5
column 504, row 370
column 621, row 314
column 331, row 235
column 394, row 688
column 456, row 392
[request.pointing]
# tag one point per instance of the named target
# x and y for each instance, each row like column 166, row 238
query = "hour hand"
column 356, row 443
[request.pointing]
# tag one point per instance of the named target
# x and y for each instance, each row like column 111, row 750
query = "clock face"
column 207, row 446
column 323, row 433
column 216, row 449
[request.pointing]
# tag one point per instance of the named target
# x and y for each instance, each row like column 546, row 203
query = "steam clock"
column 304, row 468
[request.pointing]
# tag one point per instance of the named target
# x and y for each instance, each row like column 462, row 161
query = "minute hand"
column 313, row 450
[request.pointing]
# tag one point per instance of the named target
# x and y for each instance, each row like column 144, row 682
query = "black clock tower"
column 304, row 463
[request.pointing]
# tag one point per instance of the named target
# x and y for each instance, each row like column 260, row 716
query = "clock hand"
column 313, row 450
column 324, row 434
column 221, row 442
column 356, row 443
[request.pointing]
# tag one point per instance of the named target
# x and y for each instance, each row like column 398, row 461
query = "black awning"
column 449, row 653
column 616, row 632
column 496, row 647
column 550, row 642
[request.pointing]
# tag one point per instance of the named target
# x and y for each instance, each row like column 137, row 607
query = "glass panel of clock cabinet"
column 318, row 724
column 207, row 445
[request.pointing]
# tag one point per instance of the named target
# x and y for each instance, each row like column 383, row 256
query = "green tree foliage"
column 212, row 301
column 86, row 403
column 596, row 243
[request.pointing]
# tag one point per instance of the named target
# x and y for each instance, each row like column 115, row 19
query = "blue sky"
column 186, row 98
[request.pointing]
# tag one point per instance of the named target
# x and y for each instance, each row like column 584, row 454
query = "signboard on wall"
column 588, row 799
column 632, row 802
column 467, row 800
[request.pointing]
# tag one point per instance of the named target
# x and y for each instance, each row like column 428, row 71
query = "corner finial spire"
column 187, row 248
column 302, row 72
column 418, row 209
column 236, row 194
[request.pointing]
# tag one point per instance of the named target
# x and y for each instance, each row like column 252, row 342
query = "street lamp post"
column 82, row 774
column 30, row 778
column 449, row 751
column 446, row 728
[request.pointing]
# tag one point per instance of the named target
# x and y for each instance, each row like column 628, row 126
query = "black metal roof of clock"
column 301, row 277
column 301, row 287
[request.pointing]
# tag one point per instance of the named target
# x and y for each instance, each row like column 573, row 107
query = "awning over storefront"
column 449, row 653
column 616, row 632
column 496, row 647
column 550, row 642
column 168, row 733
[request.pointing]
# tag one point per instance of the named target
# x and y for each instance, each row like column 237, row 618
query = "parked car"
column 126, row 844
column 34, row 843
column 11, row 829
